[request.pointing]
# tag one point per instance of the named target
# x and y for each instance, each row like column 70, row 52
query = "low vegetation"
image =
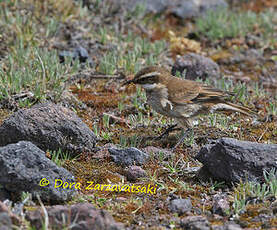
column 34, row 32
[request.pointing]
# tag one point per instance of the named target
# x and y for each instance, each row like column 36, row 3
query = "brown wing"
column 182, row 91
column 208, row 93
column 185, row 91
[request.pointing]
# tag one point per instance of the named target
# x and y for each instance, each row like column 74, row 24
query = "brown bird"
column 182, row 99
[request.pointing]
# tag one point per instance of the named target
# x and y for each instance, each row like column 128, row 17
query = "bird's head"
column 148, row 77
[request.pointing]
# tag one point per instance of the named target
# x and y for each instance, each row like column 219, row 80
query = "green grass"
column 26, row 67
column 225, row 23
column 131, row 57
column 259, row 191
column 130, row 141
column 59, row 157
column 33, row 70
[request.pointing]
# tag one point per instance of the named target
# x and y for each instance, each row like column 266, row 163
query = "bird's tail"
column 241, row 109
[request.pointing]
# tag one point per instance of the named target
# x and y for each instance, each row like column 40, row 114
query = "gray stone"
column 79, row 216
column 8, row 217
column 158, row 152
column 227, row 226
column 79, row 53
column 128, row 156
column 5, row 218
column 50, row 127
column 232, row 160
column 196, row 66
column 180, row 206
column 195, row 223
column 134, row 172
column 150, row 6
column 180, row 8
column 24, row 165
column 194, row 8
column 5, row 221
column 220, row 205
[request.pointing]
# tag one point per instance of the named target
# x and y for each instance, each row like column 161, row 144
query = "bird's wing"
column 186, row 91
column 208, row 93
column 182, row 91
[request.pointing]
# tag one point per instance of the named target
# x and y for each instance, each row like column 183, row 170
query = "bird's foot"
column 188, row 132
column 166, row 132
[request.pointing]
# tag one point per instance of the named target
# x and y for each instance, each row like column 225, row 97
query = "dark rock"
column 196, row 66
column 79, row 216
column 22, row 167
column 79, row 53
column 134, row 172
column 128, row 156
column 195, row 223
column 64, row 54
column 232, row 160
column 82, row 54
column 180, row 206
column 220, row 205
column 50, row 127
column 203, row 174
column 4, row 194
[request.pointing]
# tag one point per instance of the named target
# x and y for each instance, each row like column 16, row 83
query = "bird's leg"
column 188, row 132
column 166, row 132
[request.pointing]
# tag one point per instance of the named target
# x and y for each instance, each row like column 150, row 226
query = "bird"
column 182, row 99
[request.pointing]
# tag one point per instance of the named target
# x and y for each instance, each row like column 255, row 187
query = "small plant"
column 212, row 118
column 103, row 35
column 184, row 186
column 120, row 106
column 123, row 141
column 240, row 91
column 106, row 135
column 132, row 141
column 174, row 166
column 108, row 63
column 25, row 196
column 215, row 185
column 262, row 192
column 239, row 205
column 138, row 12
column 95, row 130
column 59, row 157
column 271, row 181
column 106, row 121
column 272, row 108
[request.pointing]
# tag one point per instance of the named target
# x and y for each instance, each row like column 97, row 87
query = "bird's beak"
column 128, row 82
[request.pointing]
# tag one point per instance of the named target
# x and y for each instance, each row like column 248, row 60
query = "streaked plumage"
column 182, row 99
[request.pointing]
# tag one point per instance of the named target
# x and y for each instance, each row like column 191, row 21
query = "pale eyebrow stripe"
column 150, row 74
